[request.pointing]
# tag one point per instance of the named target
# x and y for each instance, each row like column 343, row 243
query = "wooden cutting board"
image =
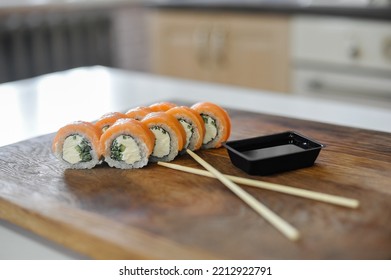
column 158, row 213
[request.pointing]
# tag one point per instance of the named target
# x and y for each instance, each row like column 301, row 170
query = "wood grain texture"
column 158, row 213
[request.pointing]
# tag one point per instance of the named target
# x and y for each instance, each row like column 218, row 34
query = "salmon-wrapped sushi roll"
column 138, row 113
column 108, row 119
column 77, row 145
column 169, row 136
column 193, row 125
column 217, row 124
column 127, row 144
column 162, row 106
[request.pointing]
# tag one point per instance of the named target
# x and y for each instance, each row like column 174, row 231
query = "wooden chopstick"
column 322, row 197
column 285, row 228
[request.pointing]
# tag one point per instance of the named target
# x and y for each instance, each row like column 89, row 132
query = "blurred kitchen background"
column 328, row 49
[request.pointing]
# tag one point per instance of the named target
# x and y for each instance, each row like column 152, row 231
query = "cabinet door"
column 180, row 44
column 242, row 49
column 255, row 51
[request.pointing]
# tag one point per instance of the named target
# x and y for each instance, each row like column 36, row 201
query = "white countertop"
column 41, row 105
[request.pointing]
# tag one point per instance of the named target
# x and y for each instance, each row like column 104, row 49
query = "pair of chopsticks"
column 230, row 181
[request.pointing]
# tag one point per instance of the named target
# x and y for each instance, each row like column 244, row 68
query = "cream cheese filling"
column 210, row 129
column 69, row 151
column 131, row 152
column 162, row 142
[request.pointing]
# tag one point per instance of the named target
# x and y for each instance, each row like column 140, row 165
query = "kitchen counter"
column 281, row 7
column 41, row 105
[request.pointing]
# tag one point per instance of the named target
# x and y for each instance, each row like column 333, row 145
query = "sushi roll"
column 217, row 124
column 170, row 136
column 138, row 113
column 193, row 125
column 127, row 144
column 162, row 106
column 108, row 119
column 77, row 145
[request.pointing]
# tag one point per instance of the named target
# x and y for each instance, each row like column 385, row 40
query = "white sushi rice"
column 65, row 151
column 171, row 146
column 135, row 157
column 192, row 133
column 186, row 124
column 209, row 142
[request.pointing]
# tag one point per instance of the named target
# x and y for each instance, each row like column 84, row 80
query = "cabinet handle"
column 218, row 45
column 201, row 39
column 353, row 50
column 387, row 48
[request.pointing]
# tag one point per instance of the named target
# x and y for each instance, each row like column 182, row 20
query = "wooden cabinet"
column 244, row 49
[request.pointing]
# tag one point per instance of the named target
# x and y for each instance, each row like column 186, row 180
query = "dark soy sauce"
column 272, row 151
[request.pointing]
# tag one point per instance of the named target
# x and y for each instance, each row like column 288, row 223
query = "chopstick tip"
column 355, row 204
column 295, row 236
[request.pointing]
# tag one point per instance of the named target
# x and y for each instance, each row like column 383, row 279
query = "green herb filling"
column 84, row 150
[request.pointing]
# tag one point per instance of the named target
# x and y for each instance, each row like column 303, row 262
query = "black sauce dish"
column 265, row 155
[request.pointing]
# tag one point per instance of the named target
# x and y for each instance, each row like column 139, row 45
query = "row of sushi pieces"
column 130, row 140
